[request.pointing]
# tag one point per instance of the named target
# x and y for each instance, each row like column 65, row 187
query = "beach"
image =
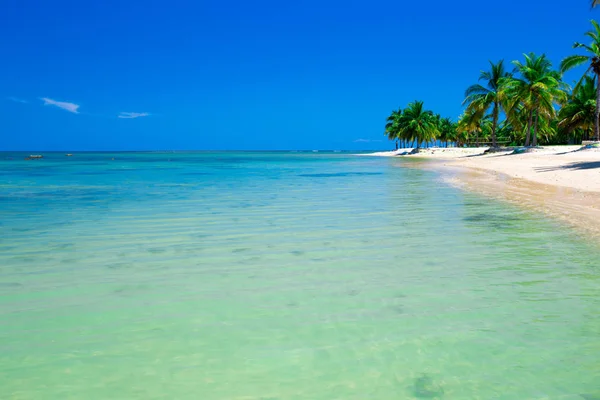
column 562, row 181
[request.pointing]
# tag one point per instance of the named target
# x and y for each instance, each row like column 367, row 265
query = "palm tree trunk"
column 597, row 113
column 495, row 124
column 529, row 123
column 535, row 128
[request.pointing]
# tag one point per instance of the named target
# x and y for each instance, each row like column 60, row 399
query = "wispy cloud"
column 17, row 100
column 129, row 115
column 71, row 107
column 366, row 141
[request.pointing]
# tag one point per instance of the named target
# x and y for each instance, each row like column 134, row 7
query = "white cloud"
column 71, row 107
column 366, row 141
column 129, row 115
column 16, row 100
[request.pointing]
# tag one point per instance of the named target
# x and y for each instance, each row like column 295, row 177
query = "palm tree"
column 482, row 98
column 418, row 124
column 470, row 123
column 517, row 119
column 536, row 92
column 579, row 114
column 595, row 3
column 446, row 129
column 391, row 127
column 508, row 132
column 487, row 127
column 593, row 58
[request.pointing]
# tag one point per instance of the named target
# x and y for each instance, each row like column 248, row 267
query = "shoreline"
column 562, row 182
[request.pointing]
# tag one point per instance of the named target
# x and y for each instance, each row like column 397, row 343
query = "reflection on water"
column 283, row 276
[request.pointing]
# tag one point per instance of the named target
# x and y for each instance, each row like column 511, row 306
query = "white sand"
column 557, row 166
column 385, row 153
column 442, row 153
column 554, row 165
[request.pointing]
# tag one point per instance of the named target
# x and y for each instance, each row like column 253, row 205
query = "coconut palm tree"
column 536, row 91
column 482, row 98
column 516, row 123
column 595, row 3
column 593, row 58
column 508, row 132
column 469, row 123
column 391, row 127
column 487, row 126
column 446, row 129
column 418, row 124
column 579, row 113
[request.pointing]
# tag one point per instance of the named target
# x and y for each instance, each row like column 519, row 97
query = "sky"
column 253, row 75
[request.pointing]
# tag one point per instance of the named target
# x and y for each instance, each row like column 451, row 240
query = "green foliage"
column 578, row 114
column 535, row 92
column 417, row 124
column 392, row 127
column 593, row 58
column 447, row 130
column 528, row 105
column 480, row 99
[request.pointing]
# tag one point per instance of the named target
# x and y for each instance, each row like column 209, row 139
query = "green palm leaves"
column 579, row 113
column 593, row 58
column 518, row 107
column 530, row 93
column 446, row 130
column 414, row 123
column 469, row 125
column 535, row 92
column 417, row 124
column 481, row 99
column 391, row 127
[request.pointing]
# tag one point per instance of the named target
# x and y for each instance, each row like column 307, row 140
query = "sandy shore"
column 557, row 180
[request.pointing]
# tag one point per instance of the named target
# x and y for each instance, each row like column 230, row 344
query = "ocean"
column 318, row 276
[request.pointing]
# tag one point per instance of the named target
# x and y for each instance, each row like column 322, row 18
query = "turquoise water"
column 283, row 276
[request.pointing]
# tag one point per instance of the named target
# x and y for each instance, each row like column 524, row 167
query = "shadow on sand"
column 573, row 166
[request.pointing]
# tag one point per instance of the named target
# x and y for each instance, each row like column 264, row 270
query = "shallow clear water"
column 283, row 276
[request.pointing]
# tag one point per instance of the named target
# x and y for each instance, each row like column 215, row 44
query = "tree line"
column 529, row 105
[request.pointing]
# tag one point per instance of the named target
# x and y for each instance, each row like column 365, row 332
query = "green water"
column 283, row 276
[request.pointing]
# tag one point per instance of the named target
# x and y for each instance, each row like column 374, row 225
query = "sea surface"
column 268, row 276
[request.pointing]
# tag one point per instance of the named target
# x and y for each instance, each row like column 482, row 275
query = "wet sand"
column 577, row 208
column 561, row 181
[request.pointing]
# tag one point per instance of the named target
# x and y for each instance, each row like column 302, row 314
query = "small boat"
column 34, row 157
column 69, row 155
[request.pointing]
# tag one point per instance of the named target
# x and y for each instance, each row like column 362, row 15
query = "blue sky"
column 262, row 74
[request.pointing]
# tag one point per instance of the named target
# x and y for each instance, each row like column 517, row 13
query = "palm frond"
column 571, row 62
